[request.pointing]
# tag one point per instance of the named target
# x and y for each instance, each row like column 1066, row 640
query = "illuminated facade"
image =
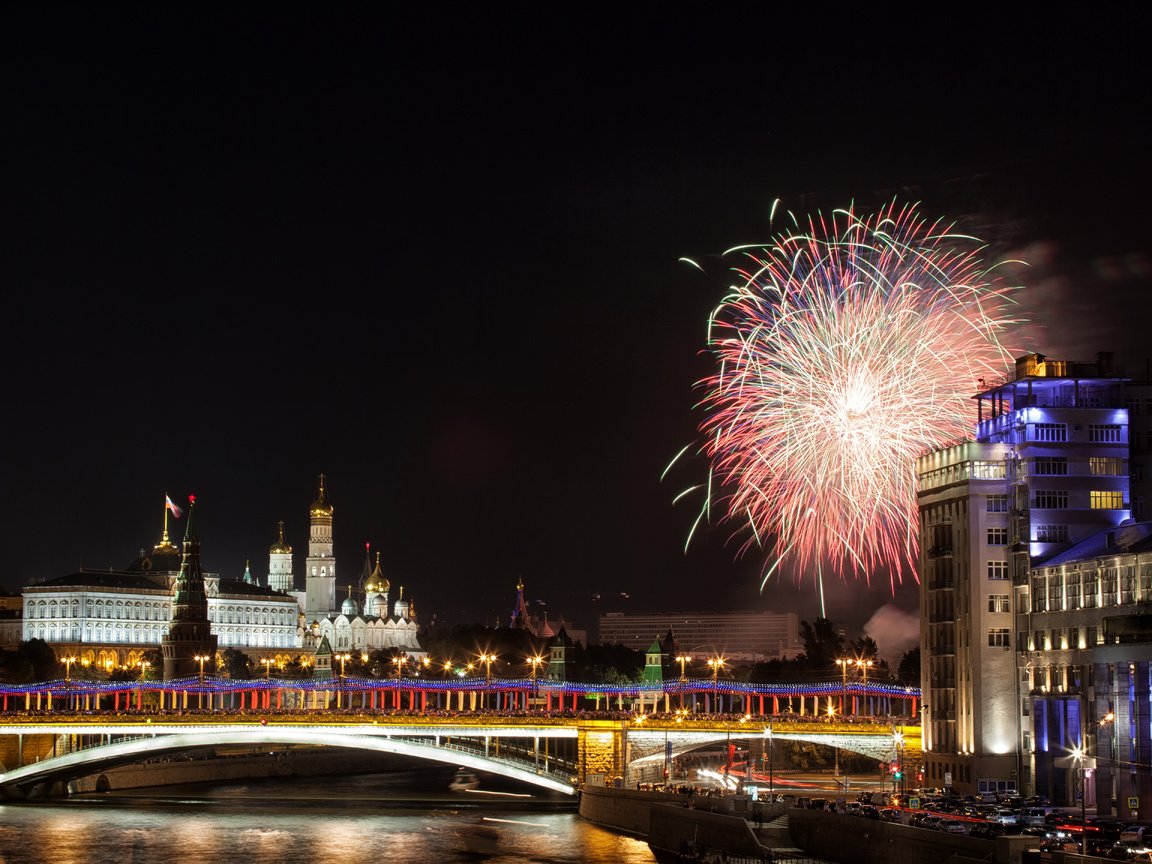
column 111, row 618
column 1085, row 622
column 1048, row 469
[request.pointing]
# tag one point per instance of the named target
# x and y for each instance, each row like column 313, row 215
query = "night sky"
column 431, row 250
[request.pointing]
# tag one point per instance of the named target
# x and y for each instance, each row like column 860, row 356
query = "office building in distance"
column 751, row 636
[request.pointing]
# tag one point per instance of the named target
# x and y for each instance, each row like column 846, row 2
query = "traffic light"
column 898, row 774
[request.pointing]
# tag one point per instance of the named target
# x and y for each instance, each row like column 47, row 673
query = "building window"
column 1051, row 534
column 997, row 569
column 1105, row 466
column 1137, row 473
column 997, row 536
column 1052, row 499
column 997, row 503
column 1104, row 433
column 982, row 470
column 1054, row 466
column 1091, row 588
column 1132, row 403
column 1050, row 432
column 1138, row 505
column 999, row 638
column 998, row 603
column 1072, row 589
column 1108, row 499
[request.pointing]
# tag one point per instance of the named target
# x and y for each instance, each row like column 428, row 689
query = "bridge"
column 519, row 729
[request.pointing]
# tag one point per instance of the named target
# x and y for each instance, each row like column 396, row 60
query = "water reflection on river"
column 317, row 820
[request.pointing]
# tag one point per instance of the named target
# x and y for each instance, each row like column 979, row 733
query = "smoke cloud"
column 895, row 630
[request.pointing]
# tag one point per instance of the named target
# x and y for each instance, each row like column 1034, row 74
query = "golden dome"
column 321, row 507
column 280, row 547
column 376, row 583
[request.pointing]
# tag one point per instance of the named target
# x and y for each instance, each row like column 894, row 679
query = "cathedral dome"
column 280, row 547
column 349, row 608
column 376, row 583
column 321, row 507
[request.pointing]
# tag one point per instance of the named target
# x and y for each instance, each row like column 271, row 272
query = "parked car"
column 988, row 830
column 1003, row 817
column 890, row 814
column 952, row 826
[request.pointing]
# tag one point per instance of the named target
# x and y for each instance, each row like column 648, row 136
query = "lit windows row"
column 1057, row 433
column 1057, row 499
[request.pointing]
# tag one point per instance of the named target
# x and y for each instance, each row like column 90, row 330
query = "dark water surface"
column 316, row 820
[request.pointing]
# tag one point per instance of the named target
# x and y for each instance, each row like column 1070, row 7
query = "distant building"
column 751, row 636
column 523, row 618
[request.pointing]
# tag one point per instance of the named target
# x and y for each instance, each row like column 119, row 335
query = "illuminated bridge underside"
column 159, row 740
column 648, row 745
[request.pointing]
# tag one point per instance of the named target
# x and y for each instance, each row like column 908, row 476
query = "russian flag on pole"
column 176, row 511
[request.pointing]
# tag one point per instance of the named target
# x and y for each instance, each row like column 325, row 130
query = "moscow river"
column 318, row 820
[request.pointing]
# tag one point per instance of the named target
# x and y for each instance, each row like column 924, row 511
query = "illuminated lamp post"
column 487, row 659
column 399, row 662
column 844, row 663
column 68, row 661
column 898, row 744
column 771, row 764
column 535, row 661
column 716, row 664
column 201, row 659
column 863, row 666
column 267, row 663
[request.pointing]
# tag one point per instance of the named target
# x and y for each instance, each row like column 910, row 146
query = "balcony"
column 939, row 552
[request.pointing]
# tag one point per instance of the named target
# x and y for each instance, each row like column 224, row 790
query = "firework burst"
column 849, row 348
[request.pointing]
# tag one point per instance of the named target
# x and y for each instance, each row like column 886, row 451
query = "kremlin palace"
column 111, row 618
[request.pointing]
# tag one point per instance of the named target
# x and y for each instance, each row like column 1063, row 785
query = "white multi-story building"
column 1049, row 468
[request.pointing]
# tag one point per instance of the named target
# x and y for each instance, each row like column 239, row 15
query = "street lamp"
column 1079, row 753
column 487, row 659
column 771, row 764
column 535, row 661
column 682, row 659
column 201, row 659
column 68, row 661
column 716, row 664
column 343, row 658
column 864, row 666
column 844, row 663
column 898, row 744
column 399, row 661
column 268, row 663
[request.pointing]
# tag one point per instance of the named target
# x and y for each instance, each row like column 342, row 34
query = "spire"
column 249, row 579
column 189, row 635
column 190, row 602
column 366, row 573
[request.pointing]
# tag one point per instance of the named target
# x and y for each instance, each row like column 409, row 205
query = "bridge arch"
column 18, row 782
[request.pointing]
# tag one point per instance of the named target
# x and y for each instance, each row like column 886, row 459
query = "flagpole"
column 165, row 517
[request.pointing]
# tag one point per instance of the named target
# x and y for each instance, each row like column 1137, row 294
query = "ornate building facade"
column 112, row 618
